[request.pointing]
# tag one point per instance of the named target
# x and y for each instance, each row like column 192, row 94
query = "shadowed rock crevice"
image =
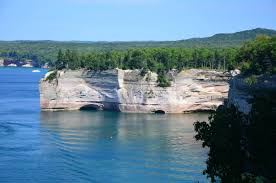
column 90, row 107
column 159, row 112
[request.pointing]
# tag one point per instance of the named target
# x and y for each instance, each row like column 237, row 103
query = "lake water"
column 90, row 146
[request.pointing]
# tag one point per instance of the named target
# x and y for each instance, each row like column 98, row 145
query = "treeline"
column 254, row 57
column 258, row 56
column 153, row 59
column 159, row 60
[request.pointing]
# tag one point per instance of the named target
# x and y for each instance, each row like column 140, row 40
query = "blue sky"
column 126, row 20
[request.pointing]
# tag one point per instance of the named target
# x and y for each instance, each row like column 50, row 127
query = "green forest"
column 41, row 52
column 257, row 56
column 153, row 59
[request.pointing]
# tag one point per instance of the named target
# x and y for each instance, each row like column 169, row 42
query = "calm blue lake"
column 90, row 146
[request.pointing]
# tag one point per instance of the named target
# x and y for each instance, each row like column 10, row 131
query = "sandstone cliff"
column 241, row 92
column 128, row 91
column 1, row 62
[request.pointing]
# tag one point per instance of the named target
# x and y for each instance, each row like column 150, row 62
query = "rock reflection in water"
column 126, row 147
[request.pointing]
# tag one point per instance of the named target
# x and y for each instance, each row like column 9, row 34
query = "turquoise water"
column 90, row 146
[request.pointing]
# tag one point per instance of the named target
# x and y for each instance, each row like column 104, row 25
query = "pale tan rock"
column 1, row 62
column 128, row 91
column 27, row 65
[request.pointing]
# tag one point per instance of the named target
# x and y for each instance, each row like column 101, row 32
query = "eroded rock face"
column 128, row 91
column 241, row 93
column 1, row 62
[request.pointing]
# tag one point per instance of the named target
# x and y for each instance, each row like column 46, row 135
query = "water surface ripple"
column 89, row 146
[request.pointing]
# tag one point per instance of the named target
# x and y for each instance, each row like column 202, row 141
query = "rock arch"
column 92, row 107
column 159, row 112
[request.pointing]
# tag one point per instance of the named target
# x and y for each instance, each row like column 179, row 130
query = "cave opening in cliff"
column 90, row 107
column 159, row 112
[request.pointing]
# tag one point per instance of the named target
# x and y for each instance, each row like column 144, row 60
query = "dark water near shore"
column 89, row 146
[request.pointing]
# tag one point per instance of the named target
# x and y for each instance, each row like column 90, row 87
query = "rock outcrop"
column 128, row 91
column 1, row 62
column 17, row 63
column 241, row 91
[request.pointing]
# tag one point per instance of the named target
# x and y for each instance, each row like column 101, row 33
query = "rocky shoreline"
column 24, row 63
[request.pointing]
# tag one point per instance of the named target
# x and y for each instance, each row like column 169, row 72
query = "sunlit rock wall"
column 128, row 91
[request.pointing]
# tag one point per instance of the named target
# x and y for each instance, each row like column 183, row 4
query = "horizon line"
column 118, row 41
